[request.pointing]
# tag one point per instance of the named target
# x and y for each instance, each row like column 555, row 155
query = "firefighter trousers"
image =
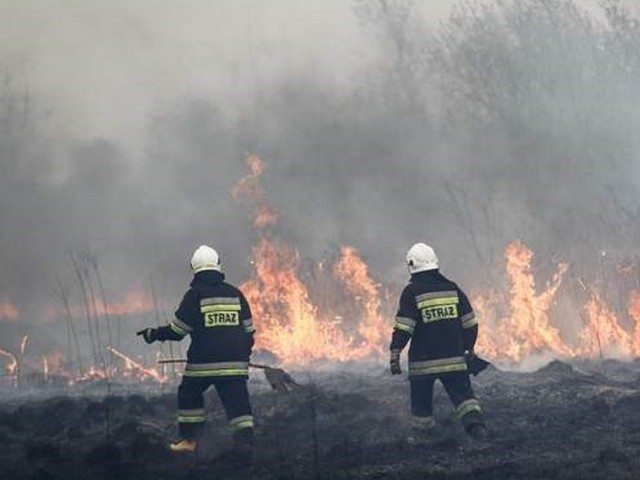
column 234, row 396
column 457, row 386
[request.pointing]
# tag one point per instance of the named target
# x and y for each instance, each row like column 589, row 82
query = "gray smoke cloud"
column 124, row 127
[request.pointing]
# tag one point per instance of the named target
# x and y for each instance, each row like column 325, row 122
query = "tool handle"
column 172, row 360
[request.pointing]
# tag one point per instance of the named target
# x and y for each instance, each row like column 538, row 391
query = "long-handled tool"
column 279, row 380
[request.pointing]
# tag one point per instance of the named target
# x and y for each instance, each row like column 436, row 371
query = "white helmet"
column 421, row 257
column 205, row 258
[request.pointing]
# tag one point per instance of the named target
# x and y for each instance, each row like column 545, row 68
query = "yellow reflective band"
column 216, row 369
column 440, row 365
column 248, row 325
column 220, row 307
column 432, row 302
column 216, row 373
column 220, row 301
column 434, row 370
column 184, row 326
column 423, row 422
column 191, row 418
column 404, row 328
column 240, row 426
column 238, row 423
column 177, row 329
column 406, row 321
column 447, row 293
column 469, row 322
column 468, row 406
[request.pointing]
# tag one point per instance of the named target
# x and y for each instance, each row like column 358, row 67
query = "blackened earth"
column 564, row 421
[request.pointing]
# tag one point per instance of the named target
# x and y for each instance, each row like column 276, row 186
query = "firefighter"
column 436, row 316
column 218, row 318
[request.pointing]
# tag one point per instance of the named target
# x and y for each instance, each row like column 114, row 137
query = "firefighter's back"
column 438, row 333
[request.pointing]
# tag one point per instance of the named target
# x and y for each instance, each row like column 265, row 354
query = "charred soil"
column 564, row 421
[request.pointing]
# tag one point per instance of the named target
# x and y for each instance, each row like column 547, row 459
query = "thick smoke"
column 511, row 120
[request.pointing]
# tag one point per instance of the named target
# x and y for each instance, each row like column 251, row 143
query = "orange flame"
column 137, row 369
column 486, row 307
column 290, row 324
column 11, row 368
column 353, row 272
column 603, row 336
column 634, row 312
column 526, row 329
column 135, row 302
column 249, row 188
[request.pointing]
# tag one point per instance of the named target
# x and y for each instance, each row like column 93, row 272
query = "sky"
column 90, row 58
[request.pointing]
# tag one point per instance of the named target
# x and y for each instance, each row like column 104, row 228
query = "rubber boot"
column 187, row 435
column 184, row 445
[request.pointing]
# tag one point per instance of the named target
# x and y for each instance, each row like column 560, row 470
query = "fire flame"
column 290, row 325
column 526, row 329
column 634, row 312
column 11, row 368
column 249, row 189
column 135, row 302
column 353, row 273
column 136, row 368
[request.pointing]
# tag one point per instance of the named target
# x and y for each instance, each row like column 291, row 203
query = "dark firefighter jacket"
column 435, row 314
column 218, row 318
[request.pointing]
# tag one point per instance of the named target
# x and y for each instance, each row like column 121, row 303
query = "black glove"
column 394, row 362
column 250, row 342
column 475, row 364
column 150, row 335
column 469, row 355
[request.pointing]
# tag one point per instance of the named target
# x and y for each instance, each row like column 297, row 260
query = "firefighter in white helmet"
column 436, row 316
column 217, row 317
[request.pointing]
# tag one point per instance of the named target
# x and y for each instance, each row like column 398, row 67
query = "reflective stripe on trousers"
column 422, row 423
column 239, row 423
column 193, row 415
column 468, row 406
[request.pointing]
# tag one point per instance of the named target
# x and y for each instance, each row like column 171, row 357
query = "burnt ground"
column 564, row 421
